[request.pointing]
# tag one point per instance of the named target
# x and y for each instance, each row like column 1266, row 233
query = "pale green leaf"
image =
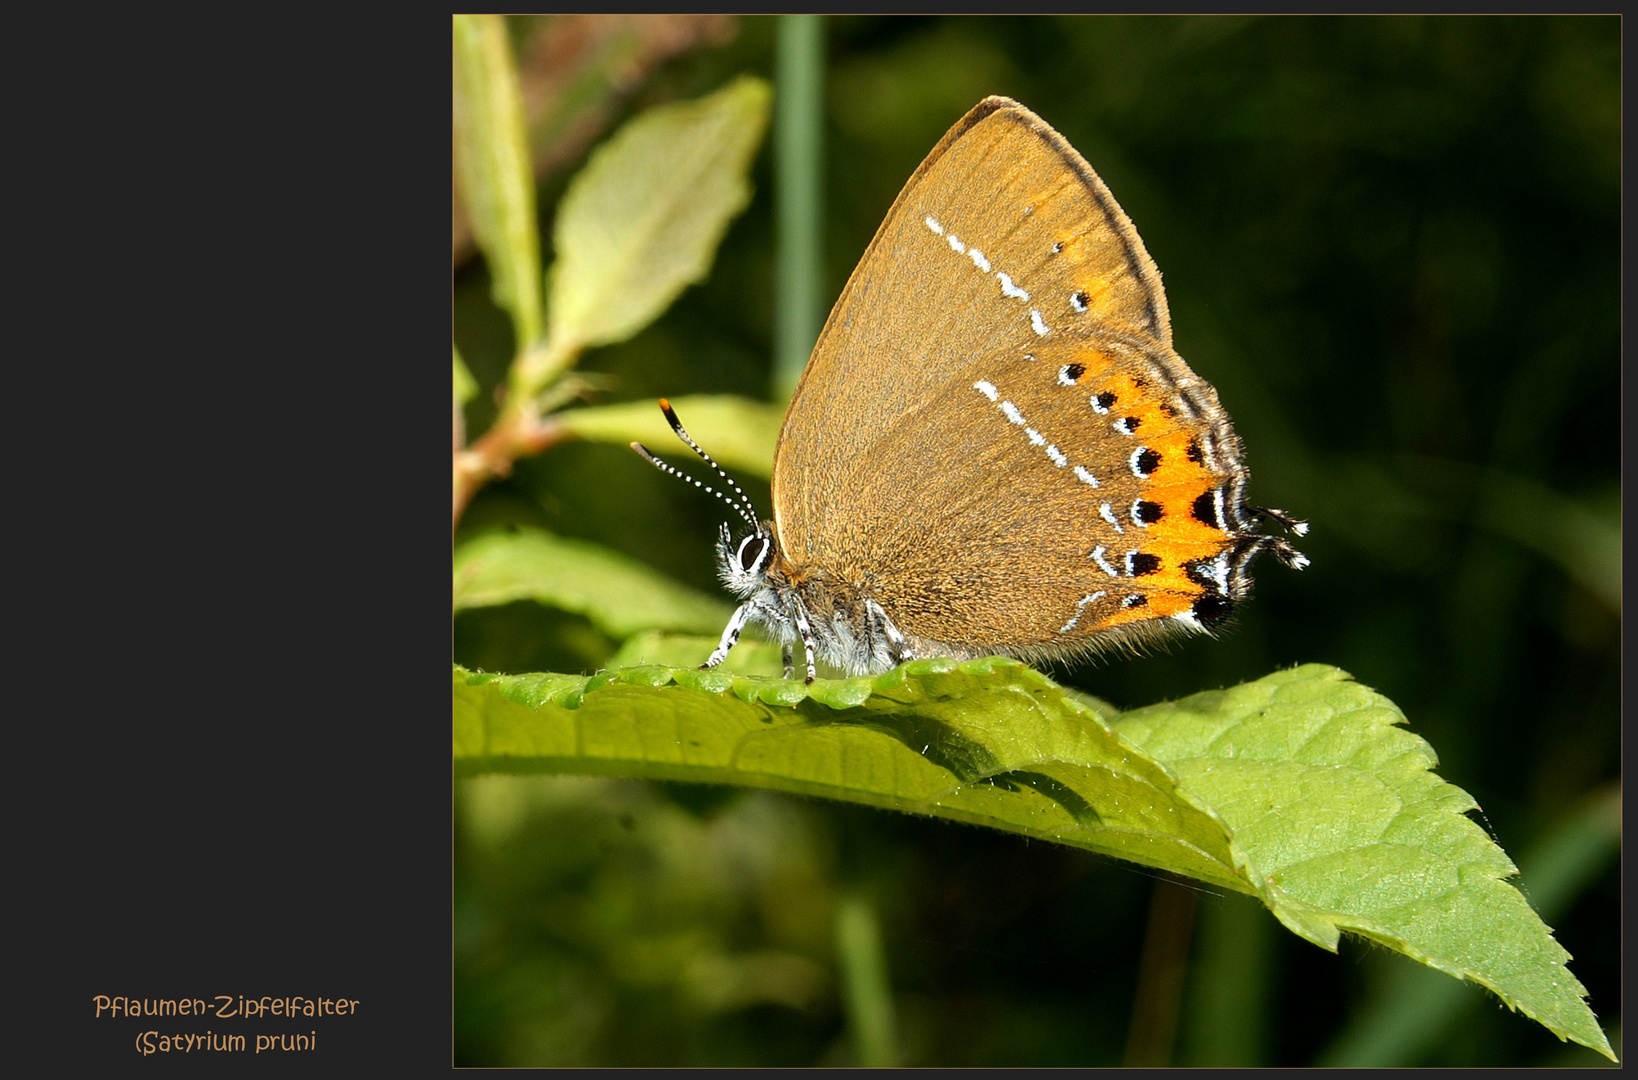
column 1300, row 788
column 1343, row 825
column 618, row 594
column 990, row 742
column 642, row 220
column 466, row 387
column 738, row 432
column 1414, row 1009
column 493, row 165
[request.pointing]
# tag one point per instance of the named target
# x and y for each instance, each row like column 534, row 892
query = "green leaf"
column 738, row 432
column 1343, row 826
column 1414, row 1009
column 620, row 595
column 990, row 742
column 466, row 387
column 496, row 174
column 1300, row 788
column 642, row 220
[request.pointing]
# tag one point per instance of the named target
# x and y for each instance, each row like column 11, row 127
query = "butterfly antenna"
column 743, row 506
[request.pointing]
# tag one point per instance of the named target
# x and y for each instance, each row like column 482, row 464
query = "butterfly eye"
column 751, row 550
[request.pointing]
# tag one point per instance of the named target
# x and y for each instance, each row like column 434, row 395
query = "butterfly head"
column 743, row 562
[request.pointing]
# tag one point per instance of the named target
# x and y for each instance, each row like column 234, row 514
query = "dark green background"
column 1393, row 246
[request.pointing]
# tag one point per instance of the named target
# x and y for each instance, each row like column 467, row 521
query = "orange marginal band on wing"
column 1180, row 479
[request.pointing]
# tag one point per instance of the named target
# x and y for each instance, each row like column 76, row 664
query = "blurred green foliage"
column 1393, row 246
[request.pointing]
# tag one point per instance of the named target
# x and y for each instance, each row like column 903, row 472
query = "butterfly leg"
column 1291, row 524
column 1287, row 554
column 1278, row 546
column 730, row 634
column 790, row 662
column 800, row 612
column 898, row 650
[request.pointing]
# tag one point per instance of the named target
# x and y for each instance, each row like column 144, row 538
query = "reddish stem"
column 516, row 433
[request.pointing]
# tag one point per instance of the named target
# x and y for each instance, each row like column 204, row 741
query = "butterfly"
column 994, row 448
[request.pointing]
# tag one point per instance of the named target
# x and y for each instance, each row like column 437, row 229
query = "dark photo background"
column 1393, row 246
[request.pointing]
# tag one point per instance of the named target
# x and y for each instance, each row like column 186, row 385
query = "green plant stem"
column 798, row 188
column 1160, row 975
column 1225, row 1018
column 866, row 992
column 534, row 370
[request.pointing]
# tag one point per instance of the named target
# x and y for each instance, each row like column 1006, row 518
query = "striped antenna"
column 743, row 506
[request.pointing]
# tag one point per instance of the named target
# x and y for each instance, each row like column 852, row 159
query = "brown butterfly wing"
column 942, row 446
